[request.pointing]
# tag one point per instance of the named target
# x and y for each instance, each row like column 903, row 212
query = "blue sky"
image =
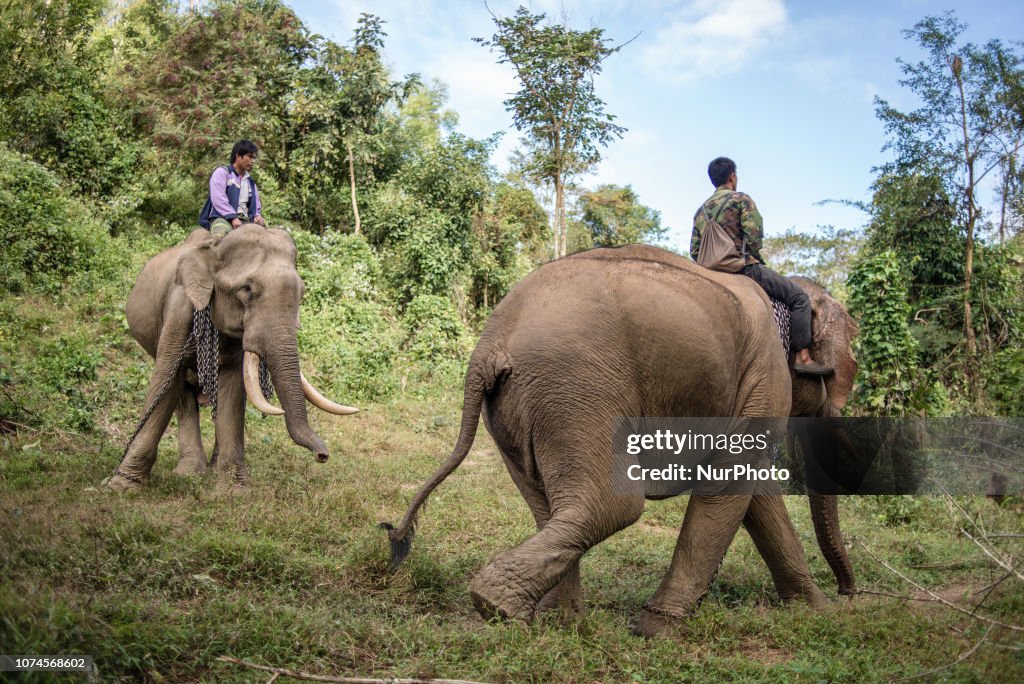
column 784, row 87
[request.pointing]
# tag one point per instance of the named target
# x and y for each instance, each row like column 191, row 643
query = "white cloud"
column 708, row 38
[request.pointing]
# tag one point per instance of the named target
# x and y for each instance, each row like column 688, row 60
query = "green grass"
column 292, row 573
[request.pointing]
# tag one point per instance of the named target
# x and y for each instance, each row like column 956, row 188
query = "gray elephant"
column 635, row 331
column 237, row 298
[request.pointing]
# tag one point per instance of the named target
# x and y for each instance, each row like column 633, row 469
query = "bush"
column 337, row 267
column 434, row 331
column 352, row 346
column 347, row 331
column 47, row 235
column 889, row 372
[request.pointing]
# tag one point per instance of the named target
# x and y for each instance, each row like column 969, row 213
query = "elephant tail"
column 480, row 379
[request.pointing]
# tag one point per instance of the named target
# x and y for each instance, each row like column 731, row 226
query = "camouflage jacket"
column 740, row 218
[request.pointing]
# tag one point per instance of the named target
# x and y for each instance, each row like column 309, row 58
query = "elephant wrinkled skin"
column 249, row 281
column 635, row 331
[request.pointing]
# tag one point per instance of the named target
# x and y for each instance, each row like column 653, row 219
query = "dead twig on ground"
column 935, row 598
column 998, row 561
column 956, row 662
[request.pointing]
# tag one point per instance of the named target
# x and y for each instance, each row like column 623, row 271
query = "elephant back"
column 663, row 329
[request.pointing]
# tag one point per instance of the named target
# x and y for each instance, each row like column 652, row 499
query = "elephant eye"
column 245, row 291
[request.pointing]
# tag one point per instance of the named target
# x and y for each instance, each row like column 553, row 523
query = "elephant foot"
column 229, row 487
column 565, row 601
column 654, row 622
column 492, row 601
column 190, row 466
column 811, row 595
column 119, row 483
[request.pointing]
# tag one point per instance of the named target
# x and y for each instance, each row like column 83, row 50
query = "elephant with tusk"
column 214, row 307
column 636, row 331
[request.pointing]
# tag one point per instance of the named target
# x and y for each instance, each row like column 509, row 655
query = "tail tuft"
column 400, row 545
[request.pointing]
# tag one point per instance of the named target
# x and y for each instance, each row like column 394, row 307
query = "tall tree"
column 556, row 106
column 612, row 215
column 340, row 107
column 226, row 72
column 969, row 123
column 365, row 91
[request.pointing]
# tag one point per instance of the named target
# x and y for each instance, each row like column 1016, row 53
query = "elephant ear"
column 833, row 330
column 195, row 273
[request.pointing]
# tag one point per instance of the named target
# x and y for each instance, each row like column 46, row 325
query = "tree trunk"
column 560, row 238
column 352, row 186
column 972, row 213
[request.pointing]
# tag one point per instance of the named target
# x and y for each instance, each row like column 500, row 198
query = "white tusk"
column 251, row 376
column 322, row 402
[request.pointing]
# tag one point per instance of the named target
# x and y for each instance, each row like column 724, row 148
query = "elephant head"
column 248, row 283
column 833, row 331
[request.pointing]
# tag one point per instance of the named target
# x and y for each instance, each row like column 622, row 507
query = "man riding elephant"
column 738, row 215
column 233, row 199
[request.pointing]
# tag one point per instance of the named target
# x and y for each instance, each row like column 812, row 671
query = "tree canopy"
column 557, row 106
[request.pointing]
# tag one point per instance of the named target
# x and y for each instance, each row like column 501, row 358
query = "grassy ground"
column 292, row 572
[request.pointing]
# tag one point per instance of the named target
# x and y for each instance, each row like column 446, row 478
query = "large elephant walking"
column 248, row 285
column 635, row 331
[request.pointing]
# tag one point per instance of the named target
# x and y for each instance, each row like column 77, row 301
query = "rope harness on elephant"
column 207, row 342
column 204, row 342
column 782, row 319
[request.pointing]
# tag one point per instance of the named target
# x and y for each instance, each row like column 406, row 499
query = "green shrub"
column 894, row 511
column 434, row 331
column 47, row 235
column 888, row 353
column 348, row 336
column 337, row 267
column 350, row 347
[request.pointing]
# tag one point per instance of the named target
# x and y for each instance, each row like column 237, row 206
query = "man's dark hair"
column 720, row 169
column 242, row 148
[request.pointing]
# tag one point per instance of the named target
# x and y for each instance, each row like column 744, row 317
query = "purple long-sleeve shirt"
column 219, row 181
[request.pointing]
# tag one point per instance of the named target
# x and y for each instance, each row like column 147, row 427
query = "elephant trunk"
column 283, row 363
column 825, row 515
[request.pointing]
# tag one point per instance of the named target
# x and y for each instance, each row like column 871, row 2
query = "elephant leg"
column 710, row 523
column 141, row 453
column 565, row 595
column 514, row 583
column 770, row 527
column 191, row 455
column 230, row 425
column 165, row 387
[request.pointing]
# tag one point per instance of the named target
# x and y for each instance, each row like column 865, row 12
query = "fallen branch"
column 956, row 662
column 870, row 592
column 935, row 597
column 281, row 672
column 998, row 561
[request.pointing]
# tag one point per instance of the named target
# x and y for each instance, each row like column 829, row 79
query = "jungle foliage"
column 113, row 113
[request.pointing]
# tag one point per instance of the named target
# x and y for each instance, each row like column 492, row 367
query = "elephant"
column 247, row 286
column 635, row 331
